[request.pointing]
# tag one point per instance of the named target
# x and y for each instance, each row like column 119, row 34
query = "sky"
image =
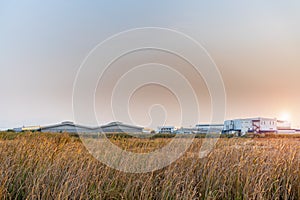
column 254, row 44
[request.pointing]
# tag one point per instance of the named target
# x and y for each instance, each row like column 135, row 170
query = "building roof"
column 111, row 124
column 209, row 125
column 66, row 123
column 255, row 119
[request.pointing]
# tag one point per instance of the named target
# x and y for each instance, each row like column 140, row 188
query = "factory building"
column 67, row 126
column 70, row 127
column 118, row 127
column 256, row 125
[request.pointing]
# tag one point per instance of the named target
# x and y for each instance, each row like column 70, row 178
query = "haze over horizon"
column 255, row 45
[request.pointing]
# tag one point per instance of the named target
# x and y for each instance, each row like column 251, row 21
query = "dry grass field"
column 53, row 166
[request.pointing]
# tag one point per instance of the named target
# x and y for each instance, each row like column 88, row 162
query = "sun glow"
column 285, row 116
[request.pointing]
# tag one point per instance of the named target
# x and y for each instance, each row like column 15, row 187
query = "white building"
column 166, row 129
column 283, row 125
column 256, row 125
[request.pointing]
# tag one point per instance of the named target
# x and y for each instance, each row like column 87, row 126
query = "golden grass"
column 44, row 166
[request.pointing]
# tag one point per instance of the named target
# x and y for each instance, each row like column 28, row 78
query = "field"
column 57, row 166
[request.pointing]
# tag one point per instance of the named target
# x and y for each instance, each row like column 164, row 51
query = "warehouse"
column 70, row 127
column 119, row 127
column 209, row 128
column 67, row 126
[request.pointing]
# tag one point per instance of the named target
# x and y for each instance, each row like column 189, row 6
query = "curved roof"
column 66, row 123
column 120, row 124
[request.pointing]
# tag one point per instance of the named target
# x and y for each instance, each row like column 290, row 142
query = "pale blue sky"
column 255, row 44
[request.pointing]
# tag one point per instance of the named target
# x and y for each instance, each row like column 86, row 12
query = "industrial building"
column 166, row 129
column 183, row 130
column 256, row 125
column 199, row 128
column 70, row 127
column 119, row 127
column 67, row 126
column 209, row 128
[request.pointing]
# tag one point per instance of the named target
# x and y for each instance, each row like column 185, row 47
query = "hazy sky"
column 255, row 44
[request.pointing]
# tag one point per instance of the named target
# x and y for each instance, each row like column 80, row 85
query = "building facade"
column 166, row 129
column 118, row 127
column 255, row 125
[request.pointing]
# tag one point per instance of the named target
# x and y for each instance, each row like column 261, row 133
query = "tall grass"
column 47, row 166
